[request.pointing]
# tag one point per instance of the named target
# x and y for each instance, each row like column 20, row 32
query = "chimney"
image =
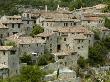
column 58, row 7
column 46, row 8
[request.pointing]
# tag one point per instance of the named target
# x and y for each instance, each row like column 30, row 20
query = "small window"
column 71, row 24
column 18, row 25
column 22, row 45
column 50, row 45
column 50, row 50
column 8, row 34
column 3, row 52
column 47, row 38
column 12, row 25
column 78, row 47
column 27, row 22
column 43, row 38
column 13, row 52
column 1, row 36
column 47, row 24
column 64, row 39
column 4, row 63
column 74, row 23
column 5, row 24
column 88, row 21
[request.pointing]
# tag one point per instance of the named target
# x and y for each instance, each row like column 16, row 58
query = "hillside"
column 8, row 7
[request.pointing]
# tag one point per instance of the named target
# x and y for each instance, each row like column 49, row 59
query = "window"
column 74, row 23
column 8, row 34
column 1, row 36
column 5, row 24
column 47, row 24
column 22, row 45
column 3, row 52
column 18, row 25
column 50, row 45
column 50, row 50
column 27, row 15
column 27, row 22
column 47, row 38
column 64, row 39
column 15, row 33
column 12, row 25
column 43, row 38
column 88, row 21
column 78, row 47
column 65, row 24
column 89, row 41
column 71, row 24
column 4, row 63
column 12, row 52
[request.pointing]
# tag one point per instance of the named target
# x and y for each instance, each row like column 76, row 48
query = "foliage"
column 97, row 54
column 106, row 9
column 8, row 7
column 36, row 30
column 27, row 74
column 26, row 58
column 107, row 22
column 96, row 35
column 32, row 74
column 82, row 62
column 45, row 59
column 10, row 43
column 106, row 42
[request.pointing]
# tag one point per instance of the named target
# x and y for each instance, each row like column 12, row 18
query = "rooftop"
column 6, row 48
column 24, row 40
column 45, row 34
column 75, row 30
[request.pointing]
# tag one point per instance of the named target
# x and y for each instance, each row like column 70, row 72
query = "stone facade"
column 9, row 60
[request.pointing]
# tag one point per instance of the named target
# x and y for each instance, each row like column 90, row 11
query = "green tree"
column 26, row 58
column 31, row 74
column 97, row 54
column 82, row 62
column 10, row 43
column 36, row 30
column 107, row 22
column 45, row 59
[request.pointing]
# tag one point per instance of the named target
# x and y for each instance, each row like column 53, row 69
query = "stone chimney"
column 46, row 8
column 58, row 7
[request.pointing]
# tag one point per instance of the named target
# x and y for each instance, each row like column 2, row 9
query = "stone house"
column 32, row 46
column 3, row 30
column 14, row 24
column 93, row 22
column 9, row 61
column 51, row 41
column 65, row 33
column 104, row 32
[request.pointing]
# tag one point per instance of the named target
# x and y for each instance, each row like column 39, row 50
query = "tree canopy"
column 36, row 30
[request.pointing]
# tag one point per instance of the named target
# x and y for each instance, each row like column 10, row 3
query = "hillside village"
column 65, row 35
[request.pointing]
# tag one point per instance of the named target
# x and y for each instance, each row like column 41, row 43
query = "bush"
column 36, row 30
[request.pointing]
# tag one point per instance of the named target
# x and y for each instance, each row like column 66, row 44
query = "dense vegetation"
column 10, row 7
column 107, row 22
column 27, row 74
column 97, row 54
column 36, row 30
